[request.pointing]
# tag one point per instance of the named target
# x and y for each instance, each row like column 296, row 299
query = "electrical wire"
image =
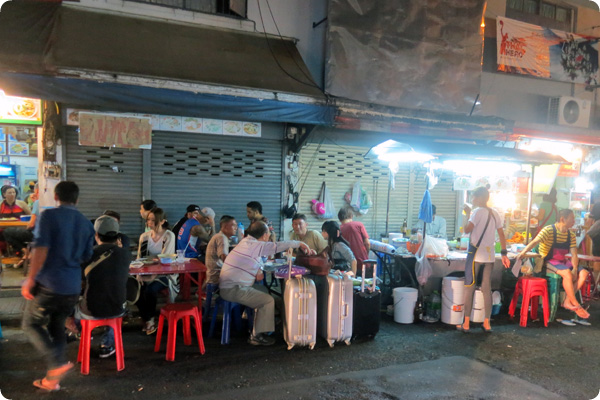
column 285, row 44
column 273, row 54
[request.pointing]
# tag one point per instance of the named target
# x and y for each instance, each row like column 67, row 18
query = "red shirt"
column 13, row 211
column 355, row 233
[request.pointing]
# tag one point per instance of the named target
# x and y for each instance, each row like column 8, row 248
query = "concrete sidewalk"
column 446, row 378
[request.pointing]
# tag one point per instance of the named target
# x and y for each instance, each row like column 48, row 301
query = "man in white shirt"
column 437, row 227
column 242, row 269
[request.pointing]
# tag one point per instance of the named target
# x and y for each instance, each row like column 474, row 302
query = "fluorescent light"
column 481, row 168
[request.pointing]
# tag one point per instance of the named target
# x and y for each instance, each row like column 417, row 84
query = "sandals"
column 580, row 311
column 46, row 385
column 59, row 373
column 461, row 329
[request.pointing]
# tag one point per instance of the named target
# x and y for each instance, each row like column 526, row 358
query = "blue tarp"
column 129, row 98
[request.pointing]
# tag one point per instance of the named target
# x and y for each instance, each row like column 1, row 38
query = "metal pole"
column 530, row 201
column 387, row 211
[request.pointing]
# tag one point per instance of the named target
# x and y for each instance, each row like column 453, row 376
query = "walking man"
column 63, row 240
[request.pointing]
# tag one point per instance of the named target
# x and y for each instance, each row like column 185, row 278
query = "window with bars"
column 540, row 12
column 231, row 8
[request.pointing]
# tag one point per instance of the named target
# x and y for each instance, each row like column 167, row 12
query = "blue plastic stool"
column 210, row 289
column 230, row 311
column 1, row 337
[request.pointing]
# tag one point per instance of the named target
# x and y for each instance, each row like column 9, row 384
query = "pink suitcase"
column 336, row 313
column 300, row 299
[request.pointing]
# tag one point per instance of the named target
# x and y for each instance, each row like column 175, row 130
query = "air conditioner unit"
column 572, row 111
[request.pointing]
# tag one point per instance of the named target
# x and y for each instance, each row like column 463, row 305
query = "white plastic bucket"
column 478, row 310
column 405, row 299
column 452, row 300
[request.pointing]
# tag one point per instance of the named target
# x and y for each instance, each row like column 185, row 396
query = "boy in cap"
column 191, row 212
column 105, row 281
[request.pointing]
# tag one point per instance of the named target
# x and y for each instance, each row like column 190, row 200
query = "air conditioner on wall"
column 570, row 111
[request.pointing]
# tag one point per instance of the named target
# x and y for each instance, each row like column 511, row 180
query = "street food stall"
column 508, row 173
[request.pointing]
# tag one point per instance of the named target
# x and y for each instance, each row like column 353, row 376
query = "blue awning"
column 83, row 93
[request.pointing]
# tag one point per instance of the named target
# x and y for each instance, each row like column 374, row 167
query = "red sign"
column 104, row 130
column 570, row 170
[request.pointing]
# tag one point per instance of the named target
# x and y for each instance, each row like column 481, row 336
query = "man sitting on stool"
column 242, row 268
column 105, row 281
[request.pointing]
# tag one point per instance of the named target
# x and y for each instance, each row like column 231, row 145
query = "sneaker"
column 107, row 351
column 261, row 340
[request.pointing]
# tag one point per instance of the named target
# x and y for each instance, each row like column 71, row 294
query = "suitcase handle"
column 373, row 264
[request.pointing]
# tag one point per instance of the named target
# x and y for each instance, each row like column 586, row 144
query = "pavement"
column 446, row 378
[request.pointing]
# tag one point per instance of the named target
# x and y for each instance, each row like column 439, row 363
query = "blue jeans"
column 44, row 324
column 108, row 339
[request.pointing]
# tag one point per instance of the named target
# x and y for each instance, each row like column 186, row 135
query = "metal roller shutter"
column 108, row 178
column 340, row 167
column 221, row 172
column 442, row 196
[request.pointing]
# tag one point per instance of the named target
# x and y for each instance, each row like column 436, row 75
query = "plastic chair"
column 206, row 308
column 530, row 288
column 230, row 310
column 554, row 288
column 173, row 313
column 87, row 326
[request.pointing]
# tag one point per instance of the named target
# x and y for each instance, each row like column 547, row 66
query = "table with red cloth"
column 187, row 269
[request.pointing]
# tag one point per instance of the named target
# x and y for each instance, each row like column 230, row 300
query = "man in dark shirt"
column 105, row 281
column 62, row 242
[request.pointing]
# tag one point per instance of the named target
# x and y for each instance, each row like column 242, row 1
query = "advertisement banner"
column 20, row 110
column 105, row 130
column 546, row 53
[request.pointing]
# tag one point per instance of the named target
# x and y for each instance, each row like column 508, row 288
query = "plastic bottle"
column 436, row 305
column 240, row 232
column 405, row 228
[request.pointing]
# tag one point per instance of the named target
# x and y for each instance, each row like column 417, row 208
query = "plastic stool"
column 530, row 288
column 588, row 288
column 173, row 313
column 206, row 308
column 230, row 310
column 554, row 288
column 87, row 326
column 1, row 337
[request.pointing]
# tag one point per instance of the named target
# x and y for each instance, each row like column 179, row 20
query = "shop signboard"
column 107, row 130
column 20, row 110
column 546, row 53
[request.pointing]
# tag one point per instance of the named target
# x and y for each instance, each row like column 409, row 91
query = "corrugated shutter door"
column 340, row 167
column 442, row 196
column 108, row 178
column 221, row 172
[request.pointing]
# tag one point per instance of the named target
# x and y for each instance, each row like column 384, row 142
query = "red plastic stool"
column 87, row 326
column 173, row 313
column 588, row 288
column 530, row 288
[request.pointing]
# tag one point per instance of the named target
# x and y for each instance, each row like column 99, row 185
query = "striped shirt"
column 244, row 261
column 546, row 237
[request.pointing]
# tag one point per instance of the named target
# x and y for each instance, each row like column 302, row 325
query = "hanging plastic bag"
column 365, row 202
column 328, row 207
column 422, row 266
column 355, row 198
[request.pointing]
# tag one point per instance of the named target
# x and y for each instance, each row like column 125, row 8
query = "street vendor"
column 437, row 227
column 555, row 241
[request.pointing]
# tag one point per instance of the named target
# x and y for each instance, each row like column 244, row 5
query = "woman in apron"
column 482, row 225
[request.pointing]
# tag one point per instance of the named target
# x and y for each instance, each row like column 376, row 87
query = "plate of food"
column 18, row 149
column 251, row 128
column 214, row 126
column 232, row 127
column 192, row 124
column 136, row 264
column 25, row 108
column 170, row 123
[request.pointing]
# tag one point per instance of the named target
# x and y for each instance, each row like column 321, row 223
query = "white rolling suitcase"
column 336, row 319
column 300, row 299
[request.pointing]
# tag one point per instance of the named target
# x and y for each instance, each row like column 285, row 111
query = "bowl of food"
column 167, row 258
column 25, row 218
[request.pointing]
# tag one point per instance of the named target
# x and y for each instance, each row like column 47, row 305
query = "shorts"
column 562, row 267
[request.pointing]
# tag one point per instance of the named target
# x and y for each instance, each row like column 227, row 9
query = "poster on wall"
column 19, row 140
column 528, row 49
column 106, row 130
column 20, row 110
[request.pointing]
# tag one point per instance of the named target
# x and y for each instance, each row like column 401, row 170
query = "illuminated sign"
column 20, row 110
